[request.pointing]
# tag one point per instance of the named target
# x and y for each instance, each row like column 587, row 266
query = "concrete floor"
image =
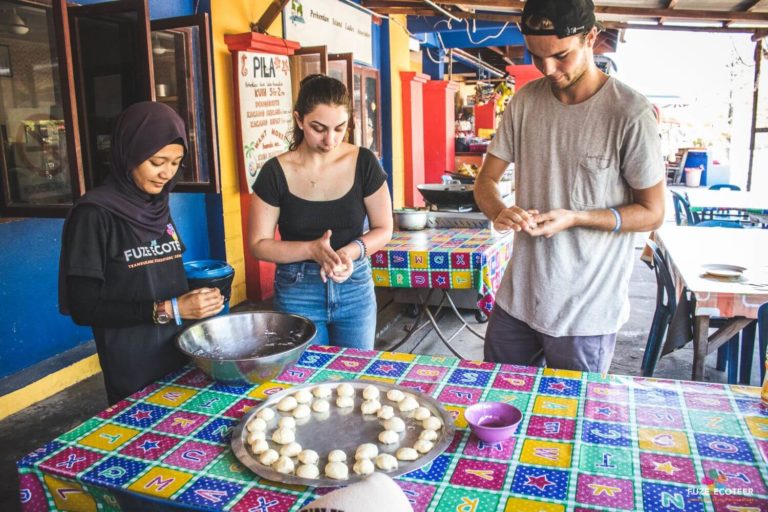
column 31, row 428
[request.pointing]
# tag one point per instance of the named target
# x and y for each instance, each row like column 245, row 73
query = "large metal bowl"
column 246, row 348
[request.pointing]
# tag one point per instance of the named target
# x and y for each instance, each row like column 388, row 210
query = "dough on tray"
column 320, row 405
column 256, row 435
column 259, row 447
column 290, row 449
column 345, row 389
column 385, row 412
column 309, row 457
column 366, row 451
column 284, row 435
column 363, row 467
column 345, row 401
column 408, row 403
column 370, row 407
column 322, row 392
column 287, row 404
column 395, row 424
column 407, row 454
column 266, row 414
column 386, row 462
column 284, row 465
column 395, row 395
column 337, row 470
column 269, row 457
column 421, row 413
column 303, row 396
column 388, row 437
column 256, row 424
column 287, row 422
column 308, row 471
column 337, row 456
column 428, row 435
column 301, row 411
column 423, row 446
column 371, row 392
column 432, row 423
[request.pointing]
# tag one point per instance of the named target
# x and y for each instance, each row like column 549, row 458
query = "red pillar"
column 413, row 134
column 439, row 137
column 485, row 116
column 523, row 73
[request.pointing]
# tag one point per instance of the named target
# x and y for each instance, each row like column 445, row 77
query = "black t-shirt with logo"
column 100, row 245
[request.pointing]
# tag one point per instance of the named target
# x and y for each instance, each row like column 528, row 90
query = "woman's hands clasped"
column 335, row 265
column 201, row 303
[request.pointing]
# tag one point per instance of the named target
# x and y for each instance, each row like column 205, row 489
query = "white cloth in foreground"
column 377, row 493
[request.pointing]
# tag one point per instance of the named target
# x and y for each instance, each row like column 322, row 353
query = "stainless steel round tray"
column 344, row 429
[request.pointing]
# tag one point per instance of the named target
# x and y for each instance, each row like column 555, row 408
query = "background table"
column 586, row 442
column 450, row 260
column 688, row 248
column 746, row 203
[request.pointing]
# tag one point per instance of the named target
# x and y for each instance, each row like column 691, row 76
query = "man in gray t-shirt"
column 588, row 176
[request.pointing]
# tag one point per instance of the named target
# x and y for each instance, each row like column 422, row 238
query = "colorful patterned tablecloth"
column 456, row 258
column 586, row 443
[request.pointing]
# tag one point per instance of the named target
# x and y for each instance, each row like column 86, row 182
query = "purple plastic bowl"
column 493, row 421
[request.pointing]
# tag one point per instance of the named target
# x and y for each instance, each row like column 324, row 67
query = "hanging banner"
column 265, row 108
column 340, row 27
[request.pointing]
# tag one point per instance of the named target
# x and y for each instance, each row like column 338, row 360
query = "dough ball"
column 266, row 414
column 432, row 423
column 284, row 465
column 256, row 424
column 303, row 396
column 386, row 462
column 371, row 392
column 337, row 456
column 338, row 269
column 309, row 457
column 337, row 470
column 345, row 389
column 385, row 412
column 301, row 411
column 428, row 435
column 259, row 446
column 408, row 404
column 269, row 457
column 422, row 445
column 395, row 395
column 287, row 404
column 422, row 413
column 322, row 392
column 345, row 401
column 366, row 451
column 370, row 407
column 407, row 454
column 256, row 435
column 303, row 421
column 363, row 467
column 395, row 424
column 284, row 436
column 291, row 449
column 320, row 405
column 287, row 422
column 388, row 437
column 308, row 471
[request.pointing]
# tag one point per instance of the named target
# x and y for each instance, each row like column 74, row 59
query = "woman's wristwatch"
column 159, row 315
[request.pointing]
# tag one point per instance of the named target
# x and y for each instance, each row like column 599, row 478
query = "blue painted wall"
column 31, row 328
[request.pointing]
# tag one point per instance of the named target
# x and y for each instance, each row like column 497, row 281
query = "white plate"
column 724, row 270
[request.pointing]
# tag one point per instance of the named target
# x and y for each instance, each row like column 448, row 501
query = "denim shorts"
column 344, row 313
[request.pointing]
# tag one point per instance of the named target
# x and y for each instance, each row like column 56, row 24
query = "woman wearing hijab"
column 121, row 270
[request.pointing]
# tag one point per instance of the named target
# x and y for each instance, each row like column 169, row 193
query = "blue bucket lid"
column 207, row 269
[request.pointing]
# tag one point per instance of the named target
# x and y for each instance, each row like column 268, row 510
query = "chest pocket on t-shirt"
column 591, row 181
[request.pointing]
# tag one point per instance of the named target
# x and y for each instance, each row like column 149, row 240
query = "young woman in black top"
column 319, row 194
column 121, row 270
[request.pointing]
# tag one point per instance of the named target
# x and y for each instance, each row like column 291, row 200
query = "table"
column 750, row 203
column 690, row 247
column 444, row 259
column 587, row 442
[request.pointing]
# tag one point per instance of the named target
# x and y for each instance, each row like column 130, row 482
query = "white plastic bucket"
column 693, row 176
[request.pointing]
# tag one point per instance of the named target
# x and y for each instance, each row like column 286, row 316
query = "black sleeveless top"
column 303, row 220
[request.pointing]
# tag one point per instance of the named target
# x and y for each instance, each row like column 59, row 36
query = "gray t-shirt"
column 578, row 157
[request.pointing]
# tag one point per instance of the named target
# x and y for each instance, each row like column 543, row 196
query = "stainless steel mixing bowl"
column 251, row 347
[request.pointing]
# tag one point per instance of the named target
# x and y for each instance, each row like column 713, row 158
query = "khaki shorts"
column 508, row 340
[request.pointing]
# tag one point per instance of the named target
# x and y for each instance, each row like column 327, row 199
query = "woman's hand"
column 201, row 303
column 324, row 255
column 342, row 272
column 516, row 219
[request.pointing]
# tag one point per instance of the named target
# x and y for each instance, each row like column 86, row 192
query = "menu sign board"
column 265, row 108
column 340, row 27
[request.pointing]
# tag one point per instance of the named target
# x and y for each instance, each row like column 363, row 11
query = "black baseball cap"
column 568, row 17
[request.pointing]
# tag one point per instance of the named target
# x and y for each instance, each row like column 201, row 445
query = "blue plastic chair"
column 683, row 210
column 724, row 186
column 720, row 223
column 724, row 214
column 666, row 305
